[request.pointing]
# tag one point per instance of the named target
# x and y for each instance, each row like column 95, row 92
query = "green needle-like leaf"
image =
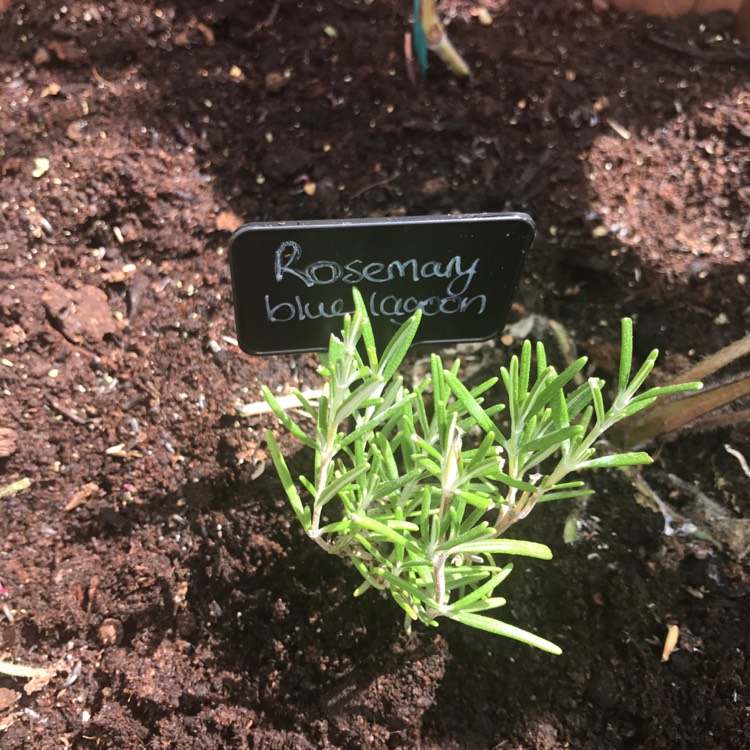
column 370, row 579
column 524, row 369
column 384, row 530
column 548, row 496
column 554, row 438
column 469, row 536
column 384, row 489
column 577, row 401
column 400, row 583
column 483, row 501
column 635, row 407
column 492, row 602
column 617, row 460
column 306, row 405
column 541, row 360
column 429, row 466
column 668, row 390
column 598, row 401
column 404, row 605
column 380, row 417
column 398, row 346
column 278, row 410
column 483, row 590
column 560, row 381
column 474, row 458
column 471, row 405
column 335, row 352
column 505, row 547
column 337, row 528
column 357, row 399
column 302, row 512
column 643, row 373
column 626, row 354
column 439, row 398
column 518, row 484
column 367, row 334
column 339, row 484
column 481, row 622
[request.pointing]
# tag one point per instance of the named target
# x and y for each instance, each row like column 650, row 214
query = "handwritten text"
column 456, row 272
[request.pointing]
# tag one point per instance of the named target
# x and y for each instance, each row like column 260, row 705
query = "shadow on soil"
column 267, row 100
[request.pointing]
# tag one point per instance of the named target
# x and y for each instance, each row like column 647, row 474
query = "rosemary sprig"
column 421, row 515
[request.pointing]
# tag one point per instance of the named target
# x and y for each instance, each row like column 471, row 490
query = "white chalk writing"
column 323, row 272
column 457, row 273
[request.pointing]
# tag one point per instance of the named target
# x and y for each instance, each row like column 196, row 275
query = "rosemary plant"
column 416, row 486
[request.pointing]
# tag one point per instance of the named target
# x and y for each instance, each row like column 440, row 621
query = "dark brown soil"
column 154, row 559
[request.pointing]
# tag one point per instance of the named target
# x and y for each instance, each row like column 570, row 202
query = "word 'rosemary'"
column 421, row 515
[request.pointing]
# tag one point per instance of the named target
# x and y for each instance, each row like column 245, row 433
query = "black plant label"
column 292, row 281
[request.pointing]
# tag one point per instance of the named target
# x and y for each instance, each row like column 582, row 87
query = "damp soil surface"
column 153, row 565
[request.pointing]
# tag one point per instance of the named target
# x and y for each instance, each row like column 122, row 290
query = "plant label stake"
column 292, row 281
